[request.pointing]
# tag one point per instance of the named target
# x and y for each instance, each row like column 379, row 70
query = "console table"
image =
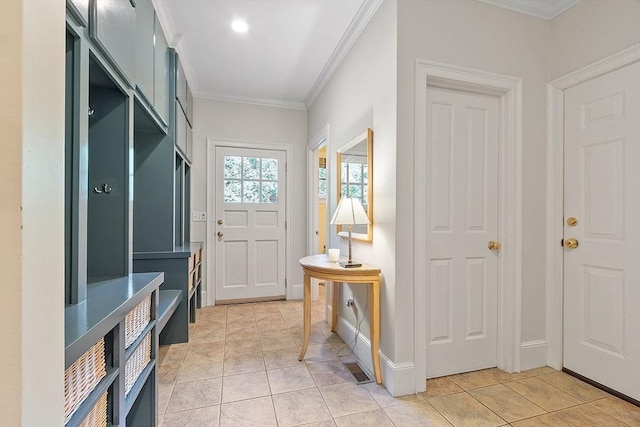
column 319, row 267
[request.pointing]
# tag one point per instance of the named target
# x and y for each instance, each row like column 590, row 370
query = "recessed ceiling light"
column 239, row 26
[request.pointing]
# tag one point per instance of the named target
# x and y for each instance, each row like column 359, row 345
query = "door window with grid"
column 250, row 179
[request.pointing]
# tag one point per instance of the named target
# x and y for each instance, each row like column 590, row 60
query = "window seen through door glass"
column 250, row 180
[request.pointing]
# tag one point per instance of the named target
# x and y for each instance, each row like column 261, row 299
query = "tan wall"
column 32, row 184
column 592, row 30
column 10, row 216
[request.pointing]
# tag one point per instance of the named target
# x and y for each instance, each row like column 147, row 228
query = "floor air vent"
column 356, row 372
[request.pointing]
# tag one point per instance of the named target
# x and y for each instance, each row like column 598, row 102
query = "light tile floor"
column 241, row 369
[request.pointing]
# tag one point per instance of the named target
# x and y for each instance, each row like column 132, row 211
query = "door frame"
column 212, row 144
column 555, row 191
column 320, row 139
column 509, row 91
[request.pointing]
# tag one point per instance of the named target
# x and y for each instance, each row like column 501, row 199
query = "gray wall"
column 476, row 35
column 592, row 30
column 244, row 122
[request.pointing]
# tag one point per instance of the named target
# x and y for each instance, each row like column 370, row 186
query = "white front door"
column 462, row 139
column 250, row 224
column 602, row 194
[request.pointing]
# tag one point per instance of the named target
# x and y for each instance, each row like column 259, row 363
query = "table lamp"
column 350, row 212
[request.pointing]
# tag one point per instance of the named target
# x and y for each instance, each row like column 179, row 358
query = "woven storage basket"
column 98, row 415
column 191, row 262
column 136, row 363
column 192, row 279
column 136, row 320
column 82, row 377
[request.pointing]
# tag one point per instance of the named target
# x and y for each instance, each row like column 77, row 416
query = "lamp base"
column 347, row 264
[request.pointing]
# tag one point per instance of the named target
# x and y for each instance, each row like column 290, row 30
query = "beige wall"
column 233, row 121
column 592, row 30
column 32, row 183
column 360, row 95
column 473, row 34
column 10, row 217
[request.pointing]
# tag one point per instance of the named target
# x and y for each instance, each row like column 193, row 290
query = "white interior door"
column 602, row 193
column 250, row 224
column 462, row 217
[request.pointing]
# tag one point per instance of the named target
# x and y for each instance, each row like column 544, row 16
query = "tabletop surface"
column 321, row 263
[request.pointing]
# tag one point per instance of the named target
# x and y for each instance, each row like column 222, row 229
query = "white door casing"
column 602, row 191
column 509, row 91
column 250, row 189
column 462, row 205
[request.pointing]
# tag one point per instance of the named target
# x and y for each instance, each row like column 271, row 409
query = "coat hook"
column 104, row 188
column 91, row 111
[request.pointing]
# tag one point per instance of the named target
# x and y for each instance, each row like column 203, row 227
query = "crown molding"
column 358, row 24
column 263, row 102
column 545, row 9
column 175, row 40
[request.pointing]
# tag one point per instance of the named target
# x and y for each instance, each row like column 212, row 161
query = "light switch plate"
column 198, row 216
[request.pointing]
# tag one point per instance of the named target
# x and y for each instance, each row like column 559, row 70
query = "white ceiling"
column 283, row 58
column 291, row 49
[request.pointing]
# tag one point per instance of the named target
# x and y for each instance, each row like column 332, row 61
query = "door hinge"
column 286, row 167
column 562, row 242
column 285, row 282
column 285, row 225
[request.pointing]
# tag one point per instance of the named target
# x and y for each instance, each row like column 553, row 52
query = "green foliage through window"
column 250, row 180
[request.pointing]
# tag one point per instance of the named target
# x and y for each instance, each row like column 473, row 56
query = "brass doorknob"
column 494, row 246
column 220, row 234
column 571, row 243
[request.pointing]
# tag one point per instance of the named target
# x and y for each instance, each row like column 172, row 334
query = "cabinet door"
column 181, row 85
column 189, row 152
column 145, row 18
column 189, row 106
column 113, row 28
column 181, row 130
column 161, row 74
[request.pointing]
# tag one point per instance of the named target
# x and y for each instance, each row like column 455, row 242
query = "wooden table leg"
column 375, row 328
column 334, row 306
column 307, row 315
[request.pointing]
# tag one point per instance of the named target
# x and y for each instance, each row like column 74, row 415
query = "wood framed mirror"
column 355, row 179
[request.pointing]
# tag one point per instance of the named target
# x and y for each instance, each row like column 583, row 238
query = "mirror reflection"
column 354, row 178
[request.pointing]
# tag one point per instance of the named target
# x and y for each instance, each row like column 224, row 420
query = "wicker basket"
column 191, row 263
column 82, row 377
column 98, row 415
column 192, row 276
column 136, row 320
column 136, row 363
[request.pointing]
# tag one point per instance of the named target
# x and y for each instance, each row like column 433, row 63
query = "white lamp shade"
column 349, row 212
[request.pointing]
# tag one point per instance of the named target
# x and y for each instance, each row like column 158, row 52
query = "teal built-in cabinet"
column 127, row 180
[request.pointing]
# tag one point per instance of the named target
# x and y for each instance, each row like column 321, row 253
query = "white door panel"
column 602, row 191
column 462, row 202
column 250, row 223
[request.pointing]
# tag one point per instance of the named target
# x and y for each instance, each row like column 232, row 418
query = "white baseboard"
column 533, row 354
column 398, row 378
column 204, row 299
column 297, row 291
